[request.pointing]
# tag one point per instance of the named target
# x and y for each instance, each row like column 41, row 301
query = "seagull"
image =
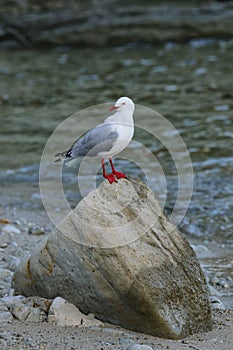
column 106, row 139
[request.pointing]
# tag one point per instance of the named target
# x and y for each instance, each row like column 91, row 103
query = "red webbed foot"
column 111, row 178
column 119, row 175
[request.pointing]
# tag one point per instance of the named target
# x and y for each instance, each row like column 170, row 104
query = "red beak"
column 113, row 108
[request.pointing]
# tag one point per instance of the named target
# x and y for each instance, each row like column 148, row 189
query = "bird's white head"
column 123, row 103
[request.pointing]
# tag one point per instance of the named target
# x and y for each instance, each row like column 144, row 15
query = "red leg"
column 118, row 174
column 110, row 177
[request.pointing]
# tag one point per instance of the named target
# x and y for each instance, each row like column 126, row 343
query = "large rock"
column 116, row 255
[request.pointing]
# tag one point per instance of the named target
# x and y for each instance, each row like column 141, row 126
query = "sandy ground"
column 42, row 336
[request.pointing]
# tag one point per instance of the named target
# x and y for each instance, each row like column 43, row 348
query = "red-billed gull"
column 106, row 139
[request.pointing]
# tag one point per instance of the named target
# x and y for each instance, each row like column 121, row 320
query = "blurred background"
column 57, row 57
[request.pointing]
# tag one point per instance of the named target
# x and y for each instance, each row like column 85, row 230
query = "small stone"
column 11, row 292
column 24, row 312
column 5, row 70
column 36, row 232
column 223, row 283
column 222, row 108
column 62, row 59
column 216, row 303
column 5, row 274
column 128, row 62
column 213, row 291
column 11, row 262
column 214, row 280
column 35, row 315
column 4, row 221
column 5, row 316
column 10, row 300
column 171, row 88
column 5, row 336
column 3, row 344
column 11, row 229
column 3, row 245
column 126, row 342
column 42, row 303
column 159, row 69
column 139, row 347
column 212, row 58
column 62, row 313
column 200, row 71
column 146, row 62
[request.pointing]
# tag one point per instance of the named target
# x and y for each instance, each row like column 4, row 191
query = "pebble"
column 65, row 314
column 5, row 70
column 139, row 347
column 11, row 292
column 23, row 312
column 223, row 283
column 216, row 303
column 5, row 336
column 39, row 302
column 222, row 108
column 3, row 245
column 9, row 300
column 11, row 262
column 36, row 232
column 21, row 309
column 216, row 281
column 5, row 274
column 3, row 344
column 213, row 291
column 200, row 71
column 4, row 221
column 11, row 229
column 171, row 88
column 146, row 62
column 126, row 342
column 6, row 317
column 159, row 69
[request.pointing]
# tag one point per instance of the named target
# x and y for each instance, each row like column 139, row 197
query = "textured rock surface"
column 116, row 255
column 110, row 22
column 65, row 314
column 5, row 315
column 23, row 311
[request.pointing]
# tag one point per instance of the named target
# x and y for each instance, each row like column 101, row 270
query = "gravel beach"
column 21, row 230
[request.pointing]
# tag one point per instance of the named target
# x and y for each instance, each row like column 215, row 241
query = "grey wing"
column 99, row 139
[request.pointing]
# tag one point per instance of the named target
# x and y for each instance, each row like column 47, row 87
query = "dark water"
column 190, row 84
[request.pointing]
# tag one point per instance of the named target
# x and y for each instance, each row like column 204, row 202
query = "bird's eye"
column 123, row 103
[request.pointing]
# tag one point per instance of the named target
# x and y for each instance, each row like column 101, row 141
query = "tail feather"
column 67, row 158
column 61, row 156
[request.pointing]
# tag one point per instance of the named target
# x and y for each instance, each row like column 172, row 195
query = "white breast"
column 125, row 132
